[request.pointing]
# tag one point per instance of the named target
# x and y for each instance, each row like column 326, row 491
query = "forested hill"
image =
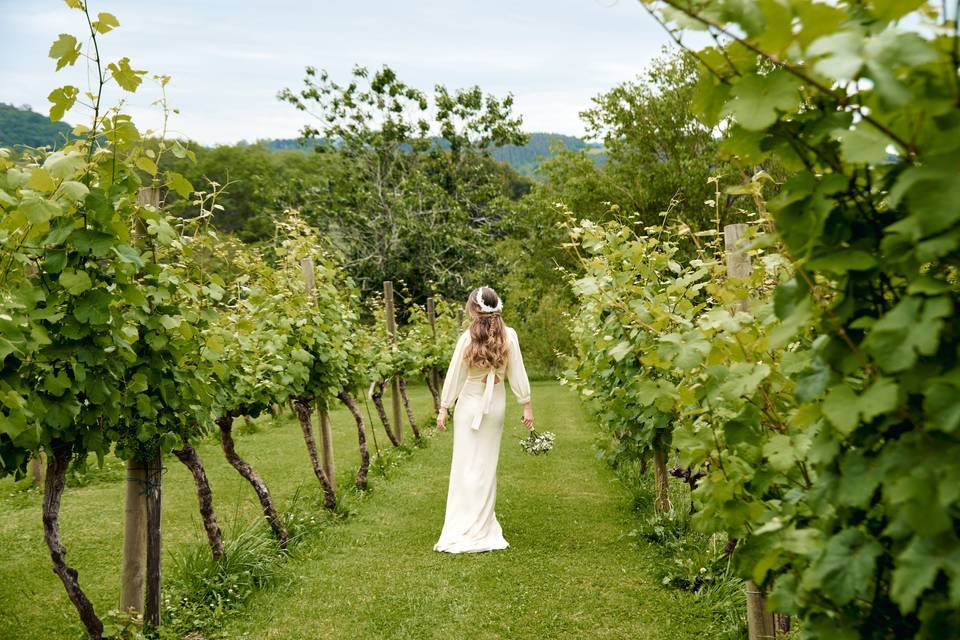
column 524, row 159
column 24, row 126
column 21, row 125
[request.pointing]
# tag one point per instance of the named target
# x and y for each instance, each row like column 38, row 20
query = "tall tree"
column 420, row 197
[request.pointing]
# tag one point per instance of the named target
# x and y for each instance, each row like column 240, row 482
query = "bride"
column 483, row 355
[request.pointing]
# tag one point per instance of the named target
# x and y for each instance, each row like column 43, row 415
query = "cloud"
column 228, row 59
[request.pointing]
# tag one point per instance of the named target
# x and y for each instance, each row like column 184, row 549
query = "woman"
column 483, row 355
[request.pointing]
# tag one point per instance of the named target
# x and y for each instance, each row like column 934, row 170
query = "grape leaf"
column 845, row 569
column 63, row 100
column 105, row 22
column 65, row 50
column 757, row 101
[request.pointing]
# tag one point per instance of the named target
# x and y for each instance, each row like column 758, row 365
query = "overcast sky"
column 228, row 59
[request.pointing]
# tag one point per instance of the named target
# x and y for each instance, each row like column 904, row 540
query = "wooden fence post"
column 760, row 622
column 392, row 333
column 326, row 436
column 133, row 573
column 432, row 318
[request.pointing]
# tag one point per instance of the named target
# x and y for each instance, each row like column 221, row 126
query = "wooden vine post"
column 153, row 490
column 326, row 436
column 738, row 262
column 760, row 623
column 434, row 382
column 37, row 470
column 392, row 334
column 133, row 572
column 661, row 480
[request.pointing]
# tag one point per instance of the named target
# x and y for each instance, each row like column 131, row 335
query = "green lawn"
column 570, row 570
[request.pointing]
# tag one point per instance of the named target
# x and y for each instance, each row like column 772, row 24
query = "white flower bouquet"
column 537, row 443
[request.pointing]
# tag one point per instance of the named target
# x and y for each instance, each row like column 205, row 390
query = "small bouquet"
column 537, row 443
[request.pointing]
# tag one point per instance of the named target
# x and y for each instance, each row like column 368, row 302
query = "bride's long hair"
column 488, row 333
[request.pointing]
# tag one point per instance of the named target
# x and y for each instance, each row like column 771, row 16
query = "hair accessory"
column 484, row 307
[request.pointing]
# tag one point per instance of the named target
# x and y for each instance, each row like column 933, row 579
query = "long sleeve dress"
column 470, row 523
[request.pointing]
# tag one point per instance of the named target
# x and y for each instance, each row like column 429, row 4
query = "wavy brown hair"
column 488, row 333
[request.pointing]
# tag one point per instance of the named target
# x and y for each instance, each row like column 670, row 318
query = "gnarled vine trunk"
column 58, row 459
column 376, row 394
column 243, row 467
column 406, row 405
column 191, row 459
column 351, row 404
column 302, row 407
column 430, row 375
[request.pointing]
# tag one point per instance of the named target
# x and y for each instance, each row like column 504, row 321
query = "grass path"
column 570, row 572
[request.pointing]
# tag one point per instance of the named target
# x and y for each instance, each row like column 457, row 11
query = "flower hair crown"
column 484, row 307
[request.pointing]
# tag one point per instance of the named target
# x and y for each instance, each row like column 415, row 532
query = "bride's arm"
column 517, row 375
column 456, row 375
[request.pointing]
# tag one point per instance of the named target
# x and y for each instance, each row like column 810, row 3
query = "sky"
column 229, row 58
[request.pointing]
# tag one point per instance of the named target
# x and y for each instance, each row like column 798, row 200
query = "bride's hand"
column 527, row 418
column 442, row 420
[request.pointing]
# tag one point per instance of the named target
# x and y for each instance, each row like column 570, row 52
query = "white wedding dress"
column 470, row 523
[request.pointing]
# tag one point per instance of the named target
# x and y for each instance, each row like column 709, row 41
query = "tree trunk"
column 661, row 478
column 154, row 487
column 243, row 467
column 351, row 404
column 58, row 459
column 377, row 396
column 189, row 457
column 406, row 405
column 430, row 375
column 302, row 407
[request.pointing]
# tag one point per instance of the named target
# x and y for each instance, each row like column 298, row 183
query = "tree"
column 419, row 197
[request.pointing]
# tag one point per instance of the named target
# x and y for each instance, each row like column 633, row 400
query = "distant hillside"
column 21, row 125
column 525, row 159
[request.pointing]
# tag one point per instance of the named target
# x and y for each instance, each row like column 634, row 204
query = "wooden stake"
column 662, row 502
column 738, row 262
column 434, row 375
column 37, row 469
column 152, row 604
column 392, row 333
column 326, row 437
column 326, row 442
column 134, row 570
column 759, row 620
column 146, row 197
